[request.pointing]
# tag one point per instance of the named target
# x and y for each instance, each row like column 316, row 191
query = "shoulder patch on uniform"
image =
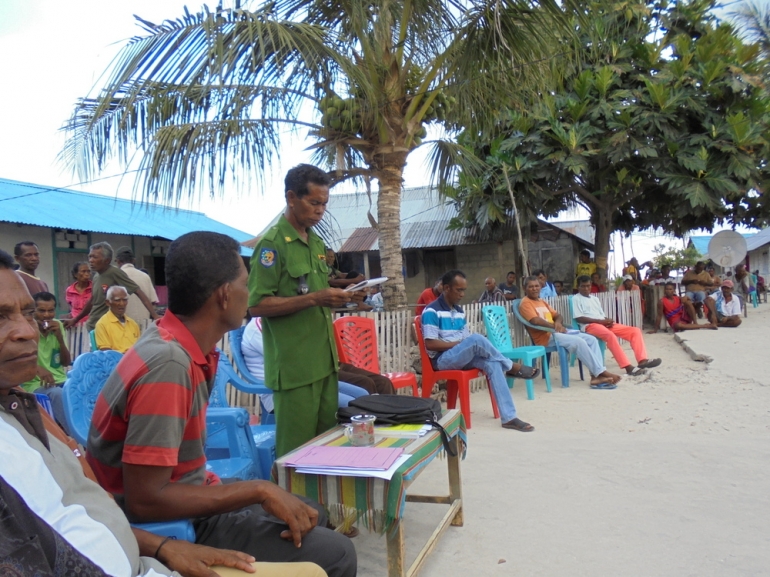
column 267, row 257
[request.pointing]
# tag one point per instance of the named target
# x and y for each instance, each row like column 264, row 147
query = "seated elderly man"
column 586, row 347
column 723, row 307
column 146, row 443
column 451, row 346
column 589, row 313
column 115, row 330
column 492, row 294
column 55, row 520
column 679, row 312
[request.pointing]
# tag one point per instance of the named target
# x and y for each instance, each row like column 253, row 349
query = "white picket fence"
column 395, row 332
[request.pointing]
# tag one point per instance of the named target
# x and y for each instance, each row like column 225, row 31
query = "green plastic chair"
column 92, row 337
column 499, row 334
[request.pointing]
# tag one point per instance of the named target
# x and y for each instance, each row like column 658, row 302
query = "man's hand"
column 68, row 323
column 300, row 517
column 193, row 560
column 357, row 296
column 46, row 378
column 608, row 323
column 333, row 297
column 558, row 327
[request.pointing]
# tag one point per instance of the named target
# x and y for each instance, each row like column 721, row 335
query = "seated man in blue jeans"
column 451, row 346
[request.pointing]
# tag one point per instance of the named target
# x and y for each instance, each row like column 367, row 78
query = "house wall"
column 760, row 259
column 557, row 257
column 478, row 261
column 11, row 233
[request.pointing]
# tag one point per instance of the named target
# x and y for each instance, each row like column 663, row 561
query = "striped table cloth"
column 378, row 503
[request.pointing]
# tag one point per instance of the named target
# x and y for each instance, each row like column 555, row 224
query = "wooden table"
column 380, row 504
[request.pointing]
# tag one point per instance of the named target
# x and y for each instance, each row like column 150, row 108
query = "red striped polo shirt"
column 152, row 410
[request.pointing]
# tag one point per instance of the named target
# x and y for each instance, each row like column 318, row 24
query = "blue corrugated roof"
column 38, row 205
column 701, row 243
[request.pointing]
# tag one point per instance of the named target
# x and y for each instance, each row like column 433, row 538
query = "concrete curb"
column 693, row 355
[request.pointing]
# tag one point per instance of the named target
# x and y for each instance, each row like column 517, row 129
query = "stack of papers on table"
column 402, row 431
column 348, row 461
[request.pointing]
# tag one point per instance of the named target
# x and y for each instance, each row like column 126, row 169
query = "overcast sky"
column 51, row 53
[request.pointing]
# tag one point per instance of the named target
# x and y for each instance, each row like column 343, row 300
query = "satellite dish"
column 727, row 248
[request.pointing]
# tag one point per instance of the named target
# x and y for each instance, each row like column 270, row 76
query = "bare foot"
column 601, row 381
column 611, row 376
column 711, row 326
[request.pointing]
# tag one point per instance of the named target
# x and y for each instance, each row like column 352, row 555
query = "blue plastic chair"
column 260, row 437
column 576, row 326
column 84, row 383
column 561, row 351
column 247, row 381
column 499, row 334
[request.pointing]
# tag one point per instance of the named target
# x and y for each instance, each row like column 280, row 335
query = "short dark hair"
column 105, row 247
column 298, row 178
column 124, row 254
column 586, row 252
column 76, row 268
column 558, row 282
column 583, row 278
column 197, row 264
column 529, row 279
column 700, row 262
column 450, row 276
column 673, row 284
column 44, row 296
column 538, row 272
column 6, row 261
column 510, row 272
column 17, row 249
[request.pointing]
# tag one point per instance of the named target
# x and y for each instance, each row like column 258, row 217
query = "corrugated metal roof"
column 424, row 220
column 39, row 205
column 759, row 239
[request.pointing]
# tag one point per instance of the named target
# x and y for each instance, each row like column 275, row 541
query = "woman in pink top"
column 79, row 292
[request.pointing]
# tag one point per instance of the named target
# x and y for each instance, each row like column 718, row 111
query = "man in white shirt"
column 588, row 312
column 124, row 258
column 724, row 308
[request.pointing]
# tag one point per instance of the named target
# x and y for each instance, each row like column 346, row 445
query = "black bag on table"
column 397, row 410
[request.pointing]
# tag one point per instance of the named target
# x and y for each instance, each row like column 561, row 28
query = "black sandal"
column 524, row 372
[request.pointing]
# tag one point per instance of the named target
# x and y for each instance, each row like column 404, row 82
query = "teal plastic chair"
column 92, row 339
column 561, row 351
column 499, row 334
column 576, row 326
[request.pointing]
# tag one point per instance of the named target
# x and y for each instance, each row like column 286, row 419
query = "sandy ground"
column 665, row 476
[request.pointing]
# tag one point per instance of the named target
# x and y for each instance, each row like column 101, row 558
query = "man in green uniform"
column 106, row 275
column 289, row 289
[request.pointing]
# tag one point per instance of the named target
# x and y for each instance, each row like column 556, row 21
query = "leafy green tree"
column 207, row 97
column 677, row 258
column 664, row 123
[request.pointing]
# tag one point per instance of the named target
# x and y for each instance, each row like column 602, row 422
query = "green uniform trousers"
column 304, row 412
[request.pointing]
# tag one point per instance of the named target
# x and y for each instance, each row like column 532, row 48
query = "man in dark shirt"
column 509, row 288
column 28, row 257
column 106, row 275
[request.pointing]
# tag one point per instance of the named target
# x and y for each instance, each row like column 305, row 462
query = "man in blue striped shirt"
column 451, row 346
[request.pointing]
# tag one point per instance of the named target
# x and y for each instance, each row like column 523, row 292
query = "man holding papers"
column 289, row 289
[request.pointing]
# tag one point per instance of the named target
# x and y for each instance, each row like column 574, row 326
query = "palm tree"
column 207, row 97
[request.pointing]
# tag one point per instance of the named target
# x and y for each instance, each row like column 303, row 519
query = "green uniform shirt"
column 48, row 357
column 299, row 348
column 113, row 276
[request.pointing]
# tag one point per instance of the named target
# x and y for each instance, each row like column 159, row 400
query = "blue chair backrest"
column 236, row 340
column 84, row 383
column 496, row 323
column 575, row 324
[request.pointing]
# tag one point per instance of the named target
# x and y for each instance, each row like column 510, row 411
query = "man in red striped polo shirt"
column 148, row 432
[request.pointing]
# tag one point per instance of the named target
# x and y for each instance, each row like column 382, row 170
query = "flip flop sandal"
column 636, row 372
column 649, row 364
column 604, row 386
column 518, row 425
column 525, row 372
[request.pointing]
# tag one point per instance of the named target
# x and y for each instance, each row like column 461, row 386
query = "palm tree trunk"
column 389, row 175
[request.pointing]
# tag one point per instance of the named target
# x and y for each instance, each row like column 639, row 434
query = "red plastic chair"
column 458, row 381
column 356, row 340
